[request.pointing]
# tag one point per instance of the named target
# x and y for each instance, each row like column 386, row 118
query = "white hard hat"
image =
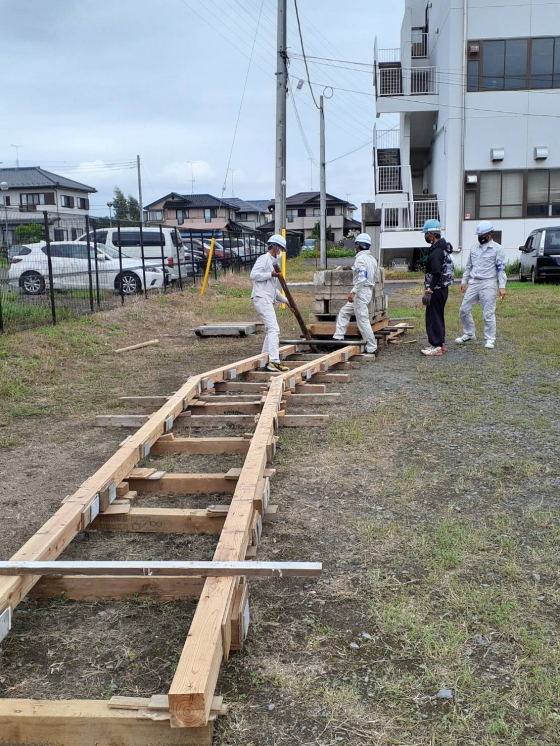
column 485, row 226
column 363, row 238
column 278, row 240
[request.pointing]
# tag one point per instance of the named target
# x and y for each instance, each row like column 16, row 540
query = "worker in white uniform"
column 365, row 274
column 266, row 292
column 483, row 279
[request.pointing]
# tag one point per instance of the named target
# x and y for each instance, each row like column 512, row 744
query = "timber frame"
column 106, row 501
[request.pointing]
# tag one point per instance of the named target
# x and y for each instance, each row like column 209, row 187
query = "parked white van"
column 159, row 247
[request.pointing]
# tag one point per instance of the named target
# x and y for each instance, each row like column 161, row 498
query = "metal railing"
column 410, row 216
column 388, row 139
column 389, row 55
column 388, row 179
column 415, row 81
column 419, row 44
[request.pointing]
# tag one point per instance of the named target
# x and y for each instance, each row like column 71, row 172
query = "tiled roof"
column 303, row 198
column 34, row 177
column 252, row 205
column 193, row 200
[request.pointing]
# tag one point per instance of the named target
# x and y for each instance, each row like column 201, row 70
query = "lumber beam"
column 212, row 408
column 201, row 446
column 95, row 588
column 333, row 398
column 331, row 377
column 89, row 723
column 302, row 420
column 161, row 521
column 145, row 401
column 185, row 419
column 240, row 386
column 188, row 568
column 183, row 484
column 310, row 388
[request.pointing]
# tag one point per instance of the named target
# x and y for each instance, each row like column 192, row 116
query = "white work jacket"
column 365, row 271
column 486, row 262
column 264, row 284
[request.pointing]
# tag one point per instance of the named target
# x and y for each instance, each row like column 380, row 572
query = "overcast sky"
column 92, row 83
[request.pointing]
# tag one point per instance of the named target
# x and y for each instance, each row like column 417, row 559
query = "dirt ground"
column 431, row 497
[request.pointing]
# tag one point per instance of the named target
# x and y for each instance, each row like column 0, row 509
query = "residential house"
column 477, row 90
column 195, row 212
column 29, row 191
column 303, row 213
column 251, row 213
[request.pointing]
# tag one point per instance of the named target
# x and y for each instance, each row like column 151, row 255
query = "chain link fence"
column 56, row 267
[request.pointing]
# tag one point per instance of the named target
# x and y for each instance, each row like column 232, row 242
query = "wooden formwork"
column 106, row 501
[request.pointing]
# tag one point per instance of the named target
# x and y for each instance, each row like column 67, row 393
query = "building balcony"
column 409, row 217
column 409, row 90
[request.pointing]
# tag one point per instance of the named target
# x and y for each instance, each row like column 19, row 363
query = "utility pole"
column 323, row 198
column 281, row 93
column 140, row 191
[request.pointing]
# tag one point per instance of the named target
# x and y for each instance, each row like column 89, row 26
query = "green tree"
column 120, row 204
column 31, row 233
column 133, row 208
column 316, row 232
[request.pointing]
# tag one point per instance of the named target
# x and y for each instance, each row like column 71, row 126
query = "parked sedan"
column 71, row 269
column 540, row 256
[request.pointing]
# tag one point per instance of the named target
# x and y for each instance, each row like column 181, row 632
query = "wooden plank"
column 231, row 397
column 138, row 346
column 114, row 588
column 185, row 419
column 331, row 377
column 196, row 675
column 310, row 388
column 141, row 473
column 302, row 420
column 333, row 398
column 342, row 366
column 121, row 508
column 213, row 408
column 89, row 723
column 121, row 420
column 145, row 401
column 188, row 568
column 161, row 521
column 264, row 376
column 184, row 484
column 327, row 328
column 240, row 386
column 201, row 446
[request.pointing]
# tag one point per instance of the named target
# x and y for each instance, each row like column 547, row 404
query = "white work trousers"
column 484, row 292
column 265, row 309
column 359, row 309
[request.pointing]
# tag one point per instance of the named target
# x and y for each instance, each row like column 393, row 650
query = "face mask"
column 427, row 238
column 483, row 239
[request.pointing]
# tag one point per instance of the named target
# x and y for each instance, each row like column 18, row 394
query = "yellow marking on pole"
column 208, row 265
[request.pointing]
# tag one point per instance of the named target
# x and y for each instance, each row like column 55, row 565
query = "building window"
column 181, row 215
column 243, row 216
column 209, row 214
column 513, row 64
column 155, row 214
column 316, row 212
column 60, row 234
column 331, row 211
column 301, row 213
column 6, row 201
column 513, row 194
column 290, row 214
column 83, row 203
column 66, row 201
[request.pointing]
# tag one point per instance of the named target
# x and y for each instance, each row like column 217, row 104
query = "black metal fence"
column 56, row 267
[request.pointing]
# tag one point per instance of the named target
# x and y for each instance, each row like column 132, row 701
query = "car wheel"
column 534, row 279
column 129, row 283
column 522, row 277
column 32, row 283
column 218, row 265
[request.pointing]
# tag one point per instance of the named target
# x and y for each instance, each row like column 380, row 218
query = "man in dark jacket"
column 438, row 277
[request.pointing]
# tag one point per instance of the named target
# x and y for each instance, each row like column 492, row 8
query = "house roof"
column 191, row 200
column 252, row 205
column 34, row 177
column 306, row 198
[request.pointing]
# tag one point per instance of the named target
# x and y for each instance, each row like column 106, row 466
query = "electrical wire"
column 241, row 102
column 364, row 145
column 303, row 52
column 300, row 126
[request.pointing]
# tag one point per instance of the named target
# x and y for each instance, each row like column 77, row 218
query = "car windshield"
column 552, row 240
column 113, row 253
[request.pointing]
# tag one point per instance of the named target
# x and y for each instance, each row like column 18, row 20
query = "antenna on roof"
column 17, row 147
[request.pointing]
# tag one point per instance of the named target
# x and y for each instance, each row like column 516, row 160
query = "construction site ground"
column 431, row 497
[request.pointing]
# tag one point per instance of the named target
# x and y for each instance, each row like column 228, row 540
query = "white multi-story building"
column 477, row 87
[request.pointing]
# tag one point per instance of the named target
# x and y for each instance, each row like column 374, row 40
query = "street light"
column 4, row 187
column 110, row 206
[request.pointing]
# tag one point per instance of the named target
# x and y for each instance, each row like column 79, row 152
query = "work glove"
column 426, row 298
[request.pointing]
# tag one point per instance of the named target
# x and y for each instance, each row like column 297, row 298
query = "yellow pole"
column 283, row 264
column 208, row 265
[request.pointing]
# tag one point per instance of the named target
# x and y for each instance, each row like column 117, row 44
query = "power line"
column 242, row 99
column 300, row 126
column 365, row 144
column 303, row 52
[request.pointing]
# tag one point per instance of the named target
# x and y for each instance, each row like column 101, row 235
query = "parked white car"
column 71, row 268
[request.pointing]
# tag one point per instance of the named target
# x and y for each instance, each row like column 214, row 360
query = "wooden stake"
column 138, row 346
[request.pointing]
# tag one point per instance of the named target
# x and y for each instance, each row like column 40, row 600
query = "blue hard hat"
column 432, row 226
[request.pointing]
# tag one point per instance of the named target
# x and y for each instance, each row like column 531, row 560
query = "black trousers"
column 435, row 317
